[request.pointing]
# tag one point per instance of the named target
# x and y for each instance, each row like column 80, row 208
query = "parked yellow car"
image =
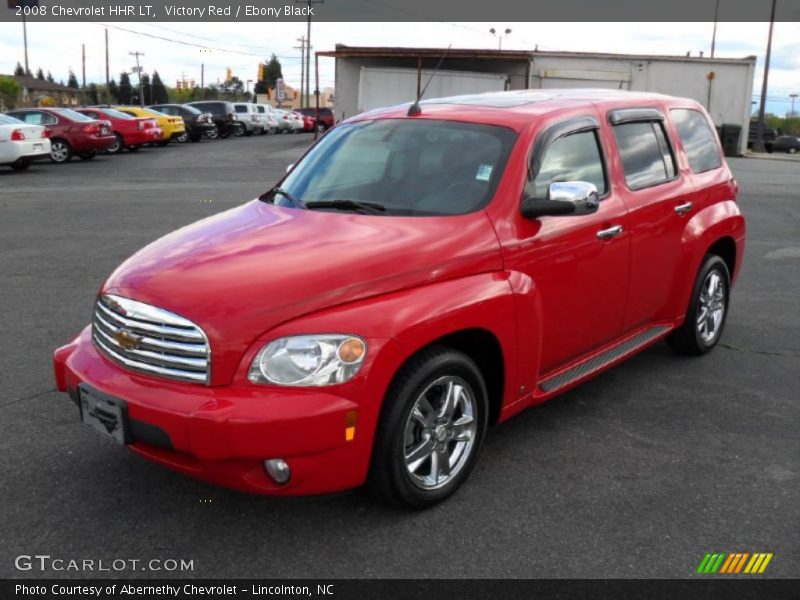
column 171, row 126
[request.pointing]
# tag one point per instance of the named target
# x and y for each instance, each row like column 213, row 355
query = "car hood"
column 244, row 271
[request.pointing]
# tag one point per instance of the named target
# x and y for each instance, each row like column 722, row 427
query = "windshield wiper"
column 369, row 208
column 278, row 191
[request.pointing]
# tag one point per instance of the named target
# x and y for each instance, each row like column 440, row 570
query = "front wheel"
column 238, row 130
column 792, row 150
column 431, row 429
column 212, row 134
column 118, row 146
column 60, row 151
column 708, row 308
column 182, row 138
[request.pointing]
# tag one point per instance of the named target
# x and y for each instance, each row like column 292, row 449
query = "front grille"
column 149, row 339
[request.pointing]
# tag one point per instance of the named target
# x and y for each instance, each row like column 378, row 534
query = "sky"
column 178, row 49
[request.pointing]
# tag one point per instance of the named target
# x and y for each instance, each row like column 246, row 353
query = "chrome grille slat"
column 184, row 349
column 149, row 328
column 149, row 339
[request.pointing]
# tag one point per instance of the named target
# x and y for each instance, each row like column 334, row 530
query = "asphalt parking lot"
column 637, row 473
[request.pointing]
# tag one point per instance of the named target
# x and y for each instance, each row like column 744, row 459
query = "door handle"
column 605, row 234
column 683, row 208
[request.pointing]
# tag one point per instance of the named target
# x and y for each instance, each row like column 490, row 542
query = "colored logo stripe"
column 734, row 562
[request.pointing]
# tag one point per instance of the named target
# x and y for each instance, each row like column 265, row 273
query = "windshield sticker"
column 484, row 173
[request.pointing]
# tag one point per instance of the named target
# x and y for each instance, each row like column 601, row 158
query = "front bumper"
column 222, row 434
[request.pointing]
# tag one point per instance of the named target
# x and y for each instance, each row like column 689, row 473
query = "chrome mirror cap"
column 582, row 194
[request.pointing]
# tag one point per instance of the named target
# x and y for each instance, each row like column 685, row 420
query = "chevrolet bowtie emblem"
column 126, row 339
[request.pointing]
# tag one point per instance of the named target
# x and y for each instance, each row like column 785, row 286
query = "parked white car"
column 248, row 115
column 268, row 117
column 285, row 120
column 21, row 143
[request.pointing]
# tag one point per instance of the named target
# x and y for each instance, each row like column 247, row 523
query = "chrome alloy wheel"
column 711, row 307
column 59, row 151
column 440, row 433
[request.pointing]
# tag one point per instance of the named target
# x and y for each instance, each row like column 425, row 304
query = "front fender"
column 399, row 324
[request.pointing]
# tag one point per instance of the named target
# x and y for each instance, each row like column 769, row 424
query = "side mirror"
column 563, row 198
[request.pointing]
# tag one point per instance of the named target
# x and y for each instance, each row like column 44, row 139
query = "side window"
column 92, row 114
column 574, row 157
column 645, row 152
column 697, row 139
column 129, row 112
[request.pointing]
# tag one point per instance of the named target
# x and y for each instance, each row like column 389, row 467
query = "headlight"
column 309, row 360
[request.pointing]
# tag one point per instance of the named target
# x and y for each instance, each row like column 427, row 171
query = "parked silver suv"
column 251, row 120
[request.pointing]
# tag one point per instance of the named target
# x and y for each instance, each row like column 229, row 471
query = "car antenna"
column 415, row 109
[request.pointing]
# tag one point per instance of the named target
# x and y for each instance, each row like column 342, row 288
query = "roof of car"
column 517, row 107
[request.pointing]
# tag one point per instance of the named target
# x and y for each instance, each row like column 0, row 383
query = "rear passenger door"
column 659, row 197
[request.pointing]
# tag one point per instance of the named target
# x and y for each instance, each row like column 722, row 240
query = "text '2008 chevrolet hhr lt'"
column 420, row 274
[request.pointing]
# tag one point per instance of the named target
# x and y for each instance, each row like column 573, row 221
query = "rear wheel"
column 431, row 429
column 238, row 130
column 705, row 318
column 182, row 138
column 60, row 151
column 212, row 134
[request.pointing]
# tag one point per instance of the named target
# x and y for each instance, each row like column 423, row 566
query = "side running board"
column 597, row 362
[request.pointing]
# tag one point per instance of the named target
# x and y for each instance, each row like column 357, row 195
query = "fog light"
column 278, row 470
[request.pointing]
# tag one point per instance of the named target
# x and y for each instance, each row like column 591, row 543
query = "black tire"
column 688, row 339
column 60, row 151
column 118, row 147
column 239, row 130
column 87, row 155
column 182, row 138
column 389, row 478
column 20, row 164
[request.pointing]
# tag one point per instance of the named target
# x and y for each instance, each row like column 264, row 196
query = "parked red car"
column 70, row 132
column 131, row 132
column 323, row 117
column 308, row 122
column 418, row 275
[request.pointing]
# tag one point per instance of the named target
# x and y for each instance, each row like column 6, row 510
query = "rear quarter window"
column 697, row 139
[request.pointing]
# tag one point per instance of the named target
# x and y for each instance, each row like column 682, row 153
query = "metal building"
column 370, row 77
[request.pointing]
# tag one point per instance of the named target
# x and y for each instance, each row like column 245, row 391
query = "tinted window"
column 240, row 108
column 697, row 139
column 38, row 118
column 574, row 157
column 216, row 108
column 646, row 156
column 116, row 114
column 74, row 115
column 412, row 167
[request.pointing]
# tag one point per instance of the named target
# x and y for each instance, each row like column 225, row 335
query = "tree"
column 9, row 91
column 159, row 90
column 146, row 89
column 125, row 91
column 40, row 74
column 113, row 91
column 50, row 77
column 72, row 81
column 273, row 72
column 18, row 70
column 261, row 87
column 91, row 94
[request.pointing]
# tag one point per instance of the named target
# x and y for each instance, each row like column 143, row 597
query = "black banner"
column 401, row 10
column 438, row 589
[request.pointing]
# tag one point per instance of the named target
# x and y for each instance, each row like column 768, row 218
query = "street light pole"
column 714, row 35
column 758, row 144
column 500, row 36
column 310, row 4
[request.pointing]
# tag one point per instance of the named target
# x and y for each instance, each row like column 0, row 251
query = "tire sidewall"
column 712, row 263
column 399, row 402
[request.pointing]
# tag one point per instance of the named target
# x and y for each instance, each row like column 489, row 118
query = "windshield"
column 116, row 114
column 6, row 120
column 409, row 167
column 71, row 114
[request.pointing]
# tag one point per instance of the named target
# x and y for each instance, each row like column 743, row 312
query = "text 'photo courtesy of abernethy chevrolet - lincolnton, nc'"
column 420, row 274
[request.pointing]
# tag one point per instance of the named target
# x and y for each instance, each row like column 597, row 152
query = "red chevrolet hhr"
column 420, row 274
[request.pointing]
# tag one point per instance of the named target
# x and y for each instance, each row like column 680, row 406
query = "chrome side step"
column 599, row 361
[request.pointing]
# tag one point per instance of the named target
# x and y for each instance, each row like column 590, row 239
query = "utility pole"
column 793, row 97
column 714, row 35
column 310, row 4
column 137, row 54
column 25, row 41
column 302, row 48
column 83, row 65
column 203, row 81
column 758, row 144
